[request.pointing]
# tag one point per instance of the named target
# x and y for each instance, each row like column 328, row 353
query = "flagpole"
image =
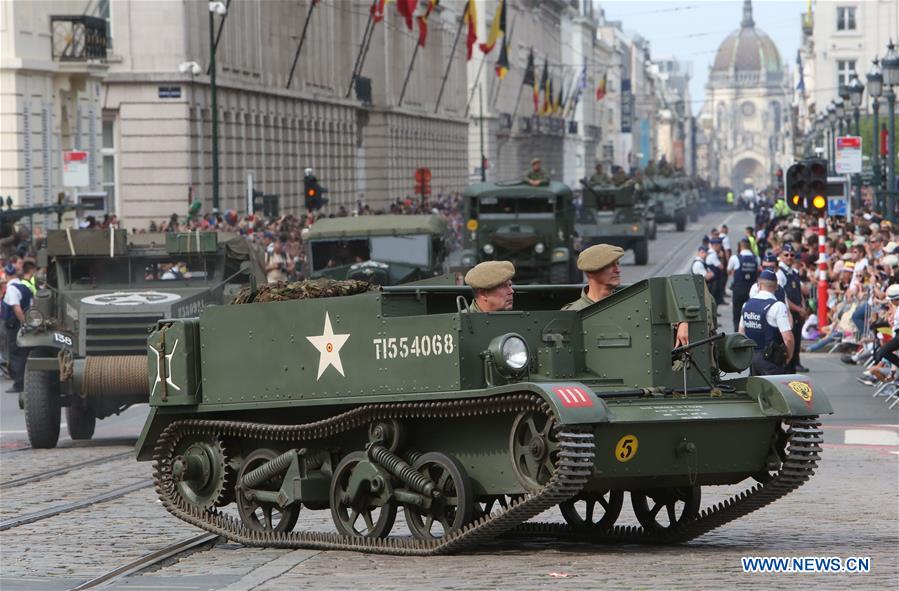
column 517, row 100
column 363, row 48
column 474, row 89
column 409, row 73
column 449, row 63
column 296, row 57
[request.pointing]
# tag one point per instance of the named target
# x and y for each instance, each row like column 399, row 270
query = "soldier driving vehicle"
column 532, row 227
column 382, row 249
column 492, row 285
column 397, row 399
column 86, row 332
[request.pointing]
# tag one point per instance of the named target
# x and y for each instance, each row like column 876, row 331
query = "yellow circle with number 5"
column 626, row 448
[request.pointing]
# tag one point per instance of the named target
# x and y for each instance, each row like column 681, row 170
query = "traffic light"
column 806, row 186
column 313, row 193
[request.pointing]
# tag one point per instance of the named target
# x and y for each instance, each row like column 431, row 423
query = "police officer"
column 492, row 285
column 600, row 263
column 764, row 319
column 536, row 176
column 795, row 301
column 744, row 268
column 16, row 302
column 769, row 263
column 716, row 265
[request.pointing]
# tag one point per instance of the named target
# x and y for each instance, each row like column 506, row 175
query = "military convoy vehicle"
column 86, row 332
column 613, row 215
column 470, row 423
column 381, row 249
column 533, row 227
column 668, row 200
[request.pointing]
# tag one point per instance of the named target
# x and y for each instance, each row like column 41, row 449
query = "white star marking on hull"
column 329, row 345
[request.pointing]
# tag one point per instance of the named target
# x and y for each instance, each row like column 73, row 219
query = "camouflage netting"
column 303, row 290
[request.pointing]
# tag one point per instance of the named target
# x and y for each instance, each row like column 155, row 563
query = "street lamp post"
column 845, row 94
column 875, row 91
column 856, row 93
column 831, row 121
column 840, row 109
column 220, row 9
column 890, row 65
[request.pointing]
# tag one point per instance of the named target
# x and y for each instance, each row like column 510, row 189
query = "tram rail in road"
column 74, row 505
column 150, row 559
column 60, row 471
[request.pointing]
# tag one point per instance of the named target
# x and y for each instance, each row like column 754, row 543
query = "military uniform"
column 580, row 303
column 537, row 175
column 599, row 178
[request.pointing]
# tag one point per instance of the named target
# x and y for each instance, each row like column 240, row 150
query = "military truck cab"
column 381, row 249
column 104, row 290
column 610, row 215
column 533, row 227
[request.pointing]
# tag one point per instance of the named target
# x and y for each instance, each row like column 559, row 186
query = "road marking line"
column 871, row 437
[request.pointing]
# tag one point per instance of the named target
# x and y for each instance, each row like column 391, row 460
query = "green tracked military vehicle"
column 533, row 227
column 669, row 200
column 86, row 332
column 382, row 249
column 470, row 423
column 613, row 215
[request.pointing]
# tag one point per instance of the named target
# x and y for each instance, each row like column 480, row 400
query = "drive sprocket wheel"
column 200, row 470
column 534, row 449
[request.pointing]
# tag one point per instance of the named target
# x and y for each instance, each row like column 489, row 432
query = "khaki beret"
column 489, row 274
column 535, row 160
column 598, row 256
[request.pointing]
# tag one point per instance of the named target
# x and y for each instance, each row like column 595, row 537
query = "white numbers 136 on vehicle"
column 418, row 346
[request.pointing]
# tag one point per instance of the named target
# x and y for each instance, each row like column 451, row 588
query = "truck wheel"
column 653, row 230
column 641, row 252
column 558, row 274
column 680, row 221
column 42, row 409
column 694, row 214
column 81, row 420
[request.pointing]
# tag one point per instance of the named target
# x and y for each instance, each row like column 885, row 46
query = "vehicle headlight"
column 510, row 354
column 539, row 248
column 468, row 260
column 488, row 248
column 559, row 255
column 34, row 318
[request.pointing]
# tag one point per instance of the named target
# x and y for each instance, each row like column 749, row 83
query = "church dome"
column 747, row 49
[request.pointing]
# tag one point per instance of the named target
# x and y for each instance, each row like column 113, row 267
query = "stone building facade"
column 748, row 95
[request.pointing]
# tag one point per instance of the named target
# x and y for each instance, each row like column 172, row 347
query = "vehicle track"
column 74, row 505
column 150, row 559
column 60, row 471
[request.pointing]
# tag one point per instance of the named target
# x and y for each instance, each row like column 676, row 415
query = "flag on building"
column 502, row 64
column 601, row 89
column 544, row 85
column 377, row 10
column 471, row 19
column 530, row 79
column 560, row 98
column 498, row 28
column 801, row 86
column 407, row 9
column 578, row 90
column 423, row 22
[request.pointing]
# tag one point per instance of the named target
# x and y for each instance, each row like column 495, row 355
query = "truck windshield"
column 522, row 207
column 385, row 249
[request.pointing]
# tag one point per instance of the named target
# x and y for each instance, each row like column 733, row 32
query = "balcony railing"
column 78, row 38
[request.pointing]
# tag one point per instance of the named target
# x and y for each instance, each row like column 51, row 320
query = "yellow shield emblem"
column 802, row 390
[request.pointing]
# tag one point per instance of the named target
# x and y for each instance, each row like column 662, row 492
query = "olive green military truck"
column 669, row 200
column 381, row 249
column 613, row 215
column 533, row 227
column 87, row 329
column 367, row 404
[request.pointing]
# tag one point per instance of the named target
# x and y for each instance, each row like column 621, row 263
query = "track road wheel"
column 534, row 449
column 665, row 508
column 42, row 408
column 80, row 420
column 593, row 510
column 257, row 514
column 358, row 515
column 449, row 510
